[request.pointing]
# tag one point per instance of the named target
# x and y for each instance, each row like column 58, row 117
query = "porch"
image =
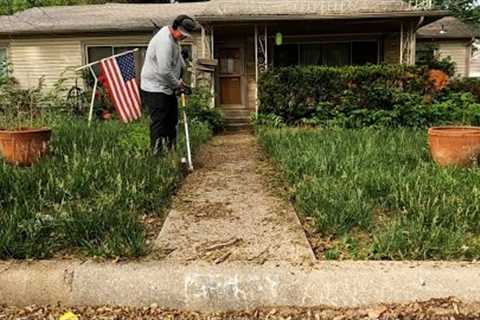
column 246, row 49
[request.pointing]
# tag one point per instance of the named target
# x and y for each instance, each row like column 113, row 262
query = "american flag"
column 122, row 85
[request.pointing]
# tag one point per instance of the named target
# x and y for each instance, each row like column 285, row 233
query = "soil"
column 225, row 211
column 445, row 309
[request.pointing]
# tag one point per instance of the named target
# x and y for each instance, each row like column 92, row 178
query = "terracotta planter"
column 25, row 146
column 457, row 146
column 106, row 115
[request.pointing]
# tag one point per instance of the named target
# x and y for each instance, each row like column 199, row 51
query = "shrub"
column 198, row 109
column 352, row 91
column 374, row 95
column 471, row 85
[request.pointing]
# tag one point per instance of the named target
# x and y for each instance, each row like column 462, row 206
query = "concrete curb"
column 235, row 286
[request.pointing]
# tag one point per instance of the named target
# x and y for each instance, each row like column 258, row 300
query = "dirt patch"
column 226, row 200
column 441, row 309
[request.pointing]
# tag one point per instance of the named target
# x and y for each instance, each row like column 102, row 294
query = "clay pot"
column 455, row 146
column 106, row 115
column 24, row 146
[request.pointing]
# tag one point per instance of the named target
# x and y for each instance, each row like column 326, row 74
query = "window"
column 95, row 53
column 425, row 53
column 364, row 52
column 3, row 62
column 327, row 54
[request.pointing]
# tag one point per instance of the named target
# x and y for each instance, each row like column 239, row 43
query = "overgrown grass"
column 378, row 193
column 89, row 192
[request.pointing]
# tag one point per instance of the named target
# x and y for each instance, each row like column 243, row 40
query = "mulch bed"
column 450, row 309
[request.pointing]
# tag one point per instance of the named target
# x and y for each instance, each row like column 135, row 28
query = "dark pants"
column 163, row 109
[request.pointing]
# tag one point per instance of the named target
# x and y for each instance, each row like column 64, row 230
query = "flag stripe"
column 115, row 81
column 136, row 104
column 123, row 91
column 116, row 101
column 123, row 88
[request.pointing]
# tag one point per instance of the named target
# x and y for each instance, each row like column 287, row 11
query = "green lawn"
column 377, row 193
column 87, row 196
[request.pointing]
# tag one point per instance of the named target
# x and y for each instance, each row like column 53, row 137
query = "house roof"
column 113, row 17
column 455, row 29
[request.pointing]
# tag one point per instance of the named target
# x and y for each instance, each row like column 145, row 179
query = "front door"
column 230, row 76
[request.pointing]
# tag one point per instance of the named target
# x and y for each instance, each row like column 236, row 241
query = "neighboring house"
column 449, row 37
column 246, row 36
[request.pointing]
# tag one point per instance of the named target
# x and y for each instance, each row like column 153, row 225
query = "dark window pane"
column 286, row 55
column 3, row 62
column 311, row 54
column 364, row 52
column 98, row 53
column 336, row 54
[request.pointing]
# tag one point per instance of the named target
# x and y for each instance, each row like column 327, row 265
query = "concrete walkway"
column 225, row 212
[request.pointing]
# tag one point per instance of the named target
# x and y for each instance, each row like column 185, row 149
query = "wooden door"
column 230, row 76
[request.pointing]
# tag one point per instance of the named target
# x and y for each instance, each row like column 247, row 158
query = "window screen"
column 336, row 54
column 286, row 55
column 3, row 62
column 364, row 52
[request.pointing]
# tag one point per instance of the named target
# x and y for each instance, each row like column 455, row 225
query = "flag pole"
column 92, row 100
column 98, row 61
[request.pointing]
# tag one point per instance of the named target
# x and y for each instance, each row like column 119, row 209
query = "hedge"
column 358, row 96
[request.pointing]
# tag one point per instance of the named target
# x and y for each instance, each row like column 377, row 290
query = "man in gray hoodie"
column 161, row 78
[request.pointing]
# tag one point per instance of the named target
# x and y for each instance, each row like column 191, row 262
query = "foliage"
column 198, row 109
column 376, row 193
column 25, row 107
column 355, row 97
column 89, row 194
column 466, row 10
column 471, row 85
column 446, row 65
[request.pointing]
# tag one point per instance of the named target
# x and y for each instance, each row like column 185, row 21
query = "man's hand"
column 184, row 88
column 181, row 84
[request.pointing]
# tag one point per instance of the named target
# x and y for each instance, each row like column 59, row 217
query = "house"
column 449, row 37
column 247, row 37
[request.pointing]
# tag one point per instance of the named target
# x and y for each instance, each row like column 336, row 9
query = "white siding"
column 56, row 58
column 475, row 65
column 459, row 52
column 52, row 59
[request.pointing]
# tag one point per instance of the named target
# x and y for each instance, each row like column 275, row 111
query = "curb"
column 230, row 287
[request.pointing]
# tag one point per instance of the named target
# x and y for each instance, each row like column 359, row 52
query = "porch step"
column 236, row 117
column 236, row 127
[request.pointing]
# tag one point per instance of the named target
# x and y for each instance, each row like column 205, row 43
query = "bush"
column 198, row 109
column 361, row 96
column 321, row 92
column 471, row 85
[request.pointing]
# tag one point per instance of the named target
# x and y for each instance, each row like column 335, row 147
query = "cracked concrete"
column 225, row 212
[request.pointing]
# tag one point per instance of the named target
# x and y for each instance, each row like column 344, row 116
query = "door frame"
column 243, row 77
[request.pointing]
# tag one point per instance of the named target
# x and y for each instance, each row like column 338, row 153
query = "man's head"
column 183, row 26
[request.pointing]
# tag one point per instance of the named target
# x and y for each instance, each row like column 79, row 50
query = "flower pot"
column 24, row 146
column 455, row 146
column 106, row 115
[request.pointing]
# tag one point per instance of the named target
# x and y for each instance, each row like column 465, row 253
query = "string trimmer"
column 185, row 121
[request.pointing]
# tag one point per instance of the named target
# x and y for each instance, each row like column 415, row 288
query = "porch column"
column 407, row 43
column 261, row 56
column 212, row 56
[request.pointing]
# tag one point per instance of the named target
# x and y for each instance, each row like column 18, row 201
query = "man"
column 161, row 78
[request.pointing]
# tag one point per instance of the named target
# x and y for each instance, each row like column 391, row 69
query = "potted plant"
column 457, row 145
column 23, row 136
